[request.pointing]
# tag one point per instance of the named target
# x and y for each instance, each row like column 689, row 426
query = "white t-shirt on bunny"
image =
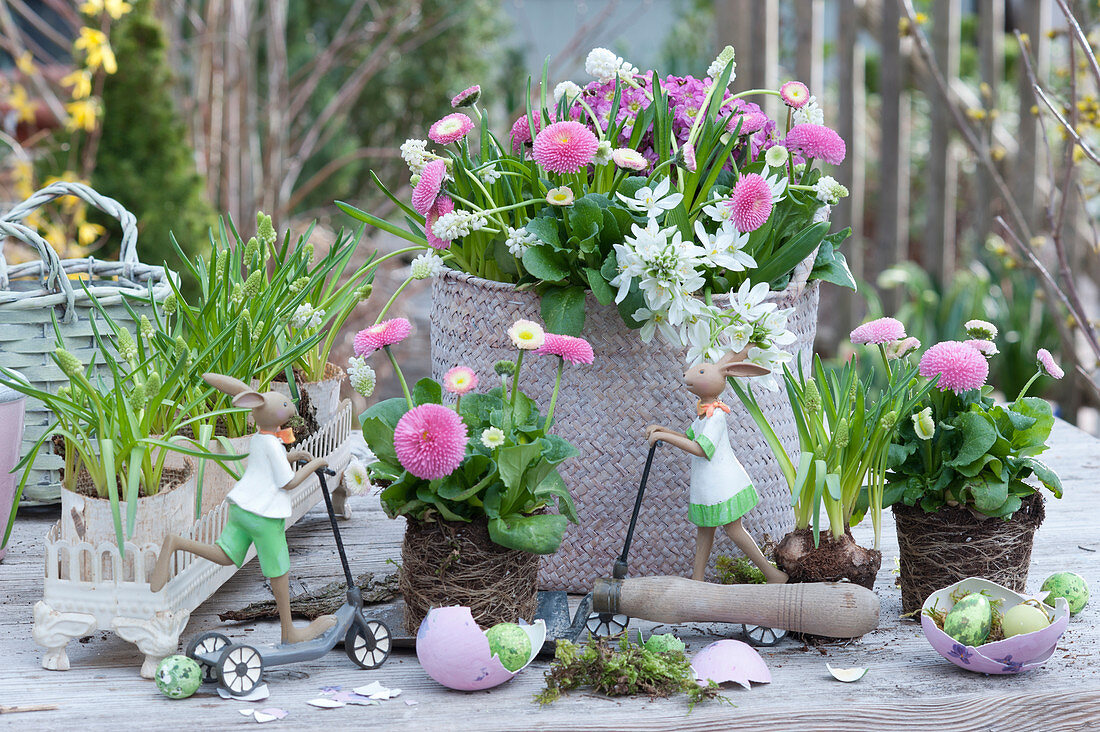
column 259, row 490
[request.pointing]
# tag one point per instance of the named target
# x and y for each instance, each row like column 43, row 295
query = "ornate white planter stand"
column 88, row 587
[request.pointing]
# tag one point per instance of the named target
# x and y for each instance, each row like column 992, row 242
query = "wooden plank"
column 851, row 114
column 908, row 685
column 991, row 20
column 939, row 235
column 810, row 50
column 1031, row 18
column 892, row 216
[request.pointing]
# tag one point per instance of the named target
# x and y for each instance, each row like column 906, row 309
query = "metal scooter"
column 610, row 624
column 238, row 667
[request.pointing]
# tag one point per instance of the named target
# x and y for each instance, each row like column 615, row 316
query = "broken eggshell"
column 730, row 660
column 1008, row 656
column 454, row 651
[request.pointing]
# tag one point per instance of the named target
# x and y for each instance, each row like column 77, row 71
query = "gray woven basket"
column 33, row 292
column 603, row 409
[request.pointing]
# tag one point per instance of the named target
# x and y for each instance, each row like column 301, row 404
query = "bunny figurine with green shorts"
column 259, row 505
column 721, row 490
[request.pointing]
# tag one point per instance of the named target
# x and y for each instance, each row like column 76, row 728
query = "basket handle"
column 127, row 254
column 55, row 278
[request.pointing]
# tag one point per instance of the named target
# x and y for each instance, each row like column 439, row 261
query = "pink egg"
column 730, row 660
column 454, row 651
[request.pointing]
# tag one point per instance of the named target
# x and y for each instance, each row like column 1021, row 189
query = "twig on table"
column 5, row 709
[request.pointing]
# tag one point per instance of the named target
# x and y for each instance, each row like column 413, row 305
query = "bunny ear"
column 734, row 357
column 744, row 370
column 248, row 399
column 225, row 384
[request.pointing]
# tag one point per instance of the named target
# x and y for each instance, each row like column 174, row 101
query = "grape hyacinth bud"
column 70, row 364
column 264, row 229
column 812, row 397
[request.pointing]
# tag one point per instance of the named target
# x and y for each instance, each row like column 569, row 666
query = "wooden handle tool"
column 837, row 610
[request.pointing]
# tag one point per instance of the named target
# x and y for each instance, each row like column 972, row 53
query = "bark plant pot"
column 85, row 517
column 456, row 563
column 939, row 549
column 603, row 410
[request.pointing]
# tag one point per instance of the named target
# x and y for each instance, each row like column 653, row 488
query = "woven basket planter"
column 939, row 549
column 603, row 410
column 33, row 293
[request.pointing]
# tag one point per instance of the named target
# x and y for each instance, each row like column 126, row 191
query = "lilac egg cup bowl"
column 1009, row 656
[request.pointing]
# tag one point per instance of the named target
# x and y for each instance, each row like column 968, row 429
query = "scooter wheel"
column 759, row 635
column 368, row 645
column 607, row 625
column 206, row 644
column 240, row 669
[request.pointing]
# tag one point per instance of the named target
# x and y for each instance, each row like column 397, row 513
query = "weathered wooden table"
column 908, row 684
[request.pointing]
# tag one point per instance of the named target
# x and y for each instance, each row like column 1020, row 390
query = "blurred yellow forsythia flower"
column 81, row 82
column 97, row 50
column 21, row 103
column 82, row 114
column 25, row 63
column 115, row 8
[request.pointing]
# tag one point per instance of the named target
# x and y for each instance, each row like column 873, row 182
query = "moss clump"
column 739, row 571
column 626, row 670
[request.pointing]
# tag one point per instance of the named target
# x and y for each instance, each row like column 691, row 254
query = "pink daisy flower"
column 572, row 349
column 878, row 332
column 817, row 141
column 386, row 333
column 451, row 128
column 429, row 186
column 443, row 205
column 1047, row 363
column 750, row 123
column 629, row 159
column 794, row 94
column 689, row 157
column 460, row 380
column 430, row 441
column 902, row 348
column 467, row 97
column 751, row 202
column 565, row 147
column 959, row 366
column 521, row 130
column 986, row 348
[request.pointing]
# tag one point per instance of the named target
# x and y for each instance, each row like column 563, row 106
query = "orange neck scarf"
column 707, row 410
column 287, row 435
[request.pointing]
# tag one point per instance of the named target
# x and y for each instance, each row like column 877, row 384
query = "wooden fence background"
column 881, row 150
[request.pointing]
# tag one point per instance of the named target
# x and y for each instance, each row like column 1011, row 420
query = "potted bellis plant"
column 475, row 478
column 964, row 471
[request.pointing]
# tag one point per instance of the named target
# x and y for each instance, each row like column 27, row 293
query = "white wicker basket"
column 33, row 293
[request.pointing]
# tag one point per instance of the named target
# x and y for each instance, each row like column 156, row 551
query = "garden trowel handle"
column 829, row 609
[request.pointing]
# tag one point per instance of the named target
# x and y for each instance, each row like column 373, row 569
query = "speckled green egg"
column 663, row 643
column 178, row 677
column 510, row 644
column 1069, row 585
column 970, row 619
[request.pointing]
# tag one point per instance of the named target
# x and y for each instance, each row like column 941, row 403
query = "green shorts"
column 244, row 528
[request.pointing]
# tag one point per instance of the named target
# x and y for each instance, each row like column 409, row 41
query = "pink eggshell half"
column 730, row 660
column 1008, row 656
column 454, row 651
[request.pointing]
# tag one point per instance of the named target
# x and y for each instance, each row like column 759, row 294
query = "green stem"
column 393, row 298
column 400, row 377
column 515, row 381
column 458, row 402
column 886, row 363
column 1028, row 385
column 554, row 396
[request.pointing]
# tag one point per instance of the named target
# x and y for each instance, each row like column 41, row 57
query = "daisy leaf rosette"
column 959, row 447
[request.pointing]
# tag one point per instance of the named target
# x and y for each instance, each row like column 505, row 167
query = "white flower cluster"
column 809, row 112
column 829, row 191
column 719, row 64
column 306, row 316
column 519, row 240
column 569, row 90
column 668, row 272
column 489, row 176
column 414, row 153
column 605, row 66
column 457, row 224
column 426, row 266
column 361, row 375
column 603, row 153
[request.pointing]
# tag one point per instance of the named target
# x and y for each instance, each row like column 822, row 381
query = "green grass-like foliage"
column 625, row 669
